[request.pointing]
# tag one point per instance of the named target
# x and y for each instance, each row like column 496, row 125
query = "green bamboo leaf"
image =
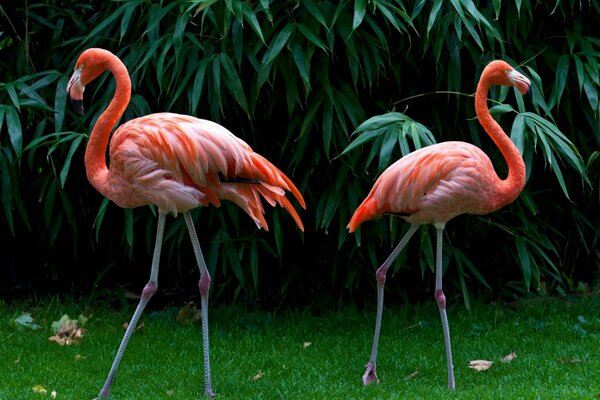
column 277, row 44
column 396, row 23
column 68, row 210
column 433, row 15
column 312, row 37
column 314, row 10
column 562, row 74
column 12, row 93
column 32, row 94
column 155, row 15
column 517, row 133
column 385, row 152
column 360, row 9
column 198, row 84
column 235, row 8
column 458, row 7
column 250, row 17
column 216, row 81
column 465, row 261
column 13, row 123
column 497, row 4
column 100, row 216
column 472, row 31
column 103, row 26
column 309, row 118
column 180, row 26
column 591, row 91
column 233, row 82
column 128, row 225
column 302, row 61
column 125, row 21
column 362, row 139
column 60, row 102
column 278, row 232
column 579, row 69
column 64, row 172
column 501, row 109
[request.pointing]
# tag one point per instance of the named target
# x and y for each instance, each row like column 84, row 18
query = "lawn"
column 311, row 355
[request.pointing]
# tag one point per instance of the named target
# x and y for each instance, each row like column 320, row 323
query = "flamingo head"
column 90, row 64
column 501, row 73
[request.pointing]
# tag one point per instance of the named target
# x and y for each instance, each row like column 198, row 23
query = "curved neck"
column 95, row 153
column 507, row 190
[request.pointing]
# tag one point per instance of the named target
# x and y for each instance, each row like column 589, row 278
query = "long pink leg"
column 204, row 286
column 147, row 293
column 440, row 298
column 370, row 374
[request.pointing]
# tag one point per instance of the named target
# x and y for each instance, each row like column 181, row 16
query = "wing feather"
column 174, row 161
column 432, row 184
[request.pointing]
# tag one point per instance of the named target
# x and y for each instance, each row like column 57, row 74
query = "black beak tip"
column 78, row 105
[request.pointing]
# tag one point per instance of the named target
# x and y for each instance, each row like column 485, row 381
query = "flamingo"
column 435, row 184
column 176, row 162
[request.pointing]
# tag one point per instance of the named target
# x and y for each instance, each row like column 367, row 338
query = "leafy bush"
column 332, row 92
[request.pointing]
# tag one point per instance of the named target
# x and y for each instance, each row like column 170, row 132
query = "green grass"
column 258, row 355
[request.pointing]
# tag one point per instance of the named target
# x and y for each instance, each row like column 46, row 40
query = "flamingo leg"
column 370, row 374
column 440, row 298
column 147, row 293
column 204, row 286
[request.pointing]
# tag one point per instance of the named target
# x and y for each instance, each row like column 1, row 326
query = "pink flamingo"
column 177, row 163
column 435, row 184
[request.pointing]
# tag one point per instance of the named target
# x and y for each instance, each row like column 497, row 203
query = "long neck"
column 507, row 190
column 95, row 153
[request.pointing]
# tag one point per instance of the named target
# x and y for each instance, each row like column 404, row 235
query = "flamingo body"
column 176, row 162
column 435, row 184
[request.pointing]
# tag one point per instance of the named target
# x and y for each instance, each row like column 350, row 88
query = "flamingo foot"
column 208, row 392
column 370, row 375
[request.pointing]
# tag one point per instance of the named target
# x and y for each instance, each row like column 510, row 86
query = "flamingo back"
column 179, row 162
column 432, row 185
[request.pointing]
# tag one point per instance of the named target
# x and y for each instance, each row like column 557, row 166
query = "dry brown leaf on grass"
column 189, row 314
column 66, row 331
column 569, row 360
column 413, row 375
column 139, row 327
column 39, row 389
column 480, row 365
column 508, row 358
column 259, row 375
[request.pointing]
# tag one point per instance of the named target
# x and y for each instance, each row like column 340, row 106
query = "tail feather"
column 271, row 175
column 366, row 211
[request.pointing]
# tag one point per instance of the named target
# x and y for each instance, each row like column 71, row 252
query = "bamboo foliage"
column 332, row 92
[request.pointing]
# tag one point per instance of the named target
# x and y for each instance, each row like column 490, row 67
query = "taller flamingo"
column 177, row 163
column 435, row 184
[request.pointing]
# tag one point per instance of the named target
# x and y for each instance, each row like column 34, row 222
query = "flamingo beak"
column 521, row 82
column 75, row 90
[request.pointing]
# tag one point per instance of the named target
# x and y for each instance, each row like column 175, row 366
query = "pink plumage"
column 176, row 162
column 435, row 184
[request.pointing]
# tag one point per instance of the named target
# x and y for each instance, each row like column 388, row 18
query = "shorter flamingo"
column 177, row 163
column 435, row 184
